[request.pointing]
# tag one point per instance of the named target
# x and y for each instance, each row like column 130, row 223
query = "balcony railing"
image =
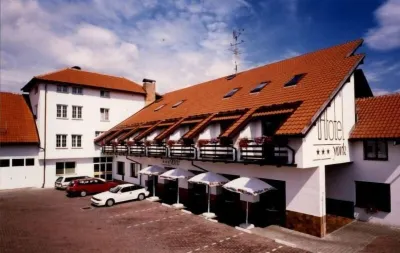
column 121, row 150
column 107, row 149
column 266, row 154
column 217, row 152
column 157, row 151
column 137, row 150
column 182, row 152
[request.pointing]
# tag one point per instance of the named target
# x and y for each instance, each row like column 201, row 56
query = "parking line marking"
column 213, row 243
column 273, row 250
column 280, row 247
column 205, row 247
column 234, row 236
column 221, row 240
column 228, row 238
column 197, row 249
column 129, row 226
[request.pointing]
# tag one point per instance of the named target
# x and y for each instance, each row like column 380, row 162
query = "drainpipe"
column 194, row 165
column 45, row 135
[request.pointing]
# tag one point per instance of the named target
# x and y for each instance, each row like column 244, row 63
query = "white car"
column 120, row 193
column 62, row 182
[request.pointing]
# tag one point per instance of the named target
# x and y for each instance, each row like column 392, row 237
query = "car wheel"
column 141, row 197
column 110, row 202
column 83, row 193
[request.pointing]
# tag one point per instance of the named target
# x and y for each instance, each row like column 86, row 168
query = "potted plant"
column 170, row 143
column 202, row 142
column 262, row 140
column 214, row 141
column 244, row 142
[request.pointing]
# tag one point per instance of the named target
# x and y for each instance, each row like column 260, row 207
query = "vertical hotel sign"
column 331, row 142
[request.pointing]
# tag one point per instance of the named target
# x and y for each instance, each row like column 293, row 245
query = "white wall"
column 121, row 106
column 127, row 176
column 327, row 141
column 24, row 176
column 341, row 181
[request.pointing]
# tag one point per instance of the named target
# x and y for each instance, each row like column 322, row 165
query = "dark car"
column 82, row 187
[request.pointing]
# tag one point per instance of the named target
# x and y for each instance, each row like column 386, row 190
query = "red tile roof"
column 17, row 125
column 86, row 78
column 377, row 117
column 326, row 70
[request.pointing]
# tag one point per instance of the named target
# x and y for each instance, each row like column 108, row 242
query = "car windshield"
column 115, row 189
column 59, row 179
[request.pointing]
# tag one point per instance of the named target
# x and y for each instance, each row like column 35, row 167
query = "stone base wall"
column 305, row 223
column 334, row 222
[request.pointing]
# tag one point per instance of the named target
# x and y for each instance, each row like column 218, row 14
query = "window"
column 178, row 104
column 375, row 150
column 77, row 90
column 135, row 168
column 76, row 141
column 18, row 162
column 65, row 168
column 104, row 94
column 62, row 111
column 231, row 93
column 104, row 114
column 259, row 87
column 76, row 112
column 295, row 80
column 97, row 133
column 158, row 108
column 103, row 167
column 373, row 195
column 4, row 163
column 61, row 140
column 121, row 168
column 126, row 189
column 29, row 162
column 62, row 88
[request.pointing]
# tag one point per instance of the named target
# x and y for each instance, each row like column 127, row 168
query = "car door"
column 125, row 194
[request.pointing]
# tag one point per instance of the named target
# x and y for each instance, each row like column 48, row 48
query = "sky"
column 183, row 42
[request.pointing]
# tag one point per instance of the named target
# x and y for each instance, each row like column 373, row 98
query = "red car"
column 82, row 187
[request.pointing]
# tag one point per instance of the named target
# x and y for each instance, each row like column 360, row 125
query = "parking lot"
column 45, row 220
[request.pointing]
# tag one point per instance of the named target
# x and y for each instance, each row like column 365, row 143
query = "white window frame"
column 76, row 140
column 104, row 93
column 61, row 141
column 104, row 114
column 63, row 110
column 62, row 88
column 64, row 169
column 77, row 90
column 77, row 112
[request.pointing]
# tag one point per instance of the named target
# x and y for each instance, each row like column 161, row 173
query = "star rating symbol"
column 327, row 151
column 323, row 151
column 317, row 151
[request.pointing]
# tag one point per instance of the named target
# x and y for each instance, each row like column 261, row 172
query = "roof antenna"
column 234, row 46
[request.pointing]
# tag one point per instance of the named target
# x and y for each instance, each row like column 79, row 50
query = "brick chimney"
column 150, row 88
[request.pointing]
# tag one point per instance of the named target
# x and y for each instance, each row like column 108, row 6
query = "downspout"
column 197, row 166
column 45, row 135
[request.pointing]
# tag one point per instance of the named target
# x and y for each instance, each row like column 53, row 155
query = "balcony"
column 180, row 151
column 107, row 149
column 261, row 152
column 121, row 150
column 156, row 150
column 216, row 152
column 137, row 150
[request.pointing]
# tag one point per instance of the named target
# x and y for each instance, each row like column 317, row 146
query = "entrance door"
column 229, row 208
column 103, row 167
column 198, row 198
column 149, row 184
column 170, row 191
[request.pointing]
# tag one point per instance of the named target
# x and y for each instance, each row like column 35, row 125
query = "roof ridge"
column 51, row 72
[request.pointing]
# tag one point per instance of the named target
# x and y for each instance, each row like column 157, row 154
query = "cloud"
column 386, row 35
column 175, row 42
column 377, row 71
column 380, row 92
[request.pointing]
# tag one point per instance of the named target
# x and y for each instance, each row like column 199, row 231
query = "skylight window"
column 178, row 104
column 158, row 108
column 259, row 87
column 231, row 93
column 230, row 77
column 295, row 80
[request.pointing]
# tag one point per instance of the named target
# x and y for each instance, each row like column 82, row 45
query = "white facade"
column 341, row 181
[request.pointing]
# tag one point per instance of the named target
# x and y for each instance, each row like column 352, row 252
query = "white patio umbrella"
column 153, row 171
column 177, row 174
column 210, row 179
column 249, row 186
